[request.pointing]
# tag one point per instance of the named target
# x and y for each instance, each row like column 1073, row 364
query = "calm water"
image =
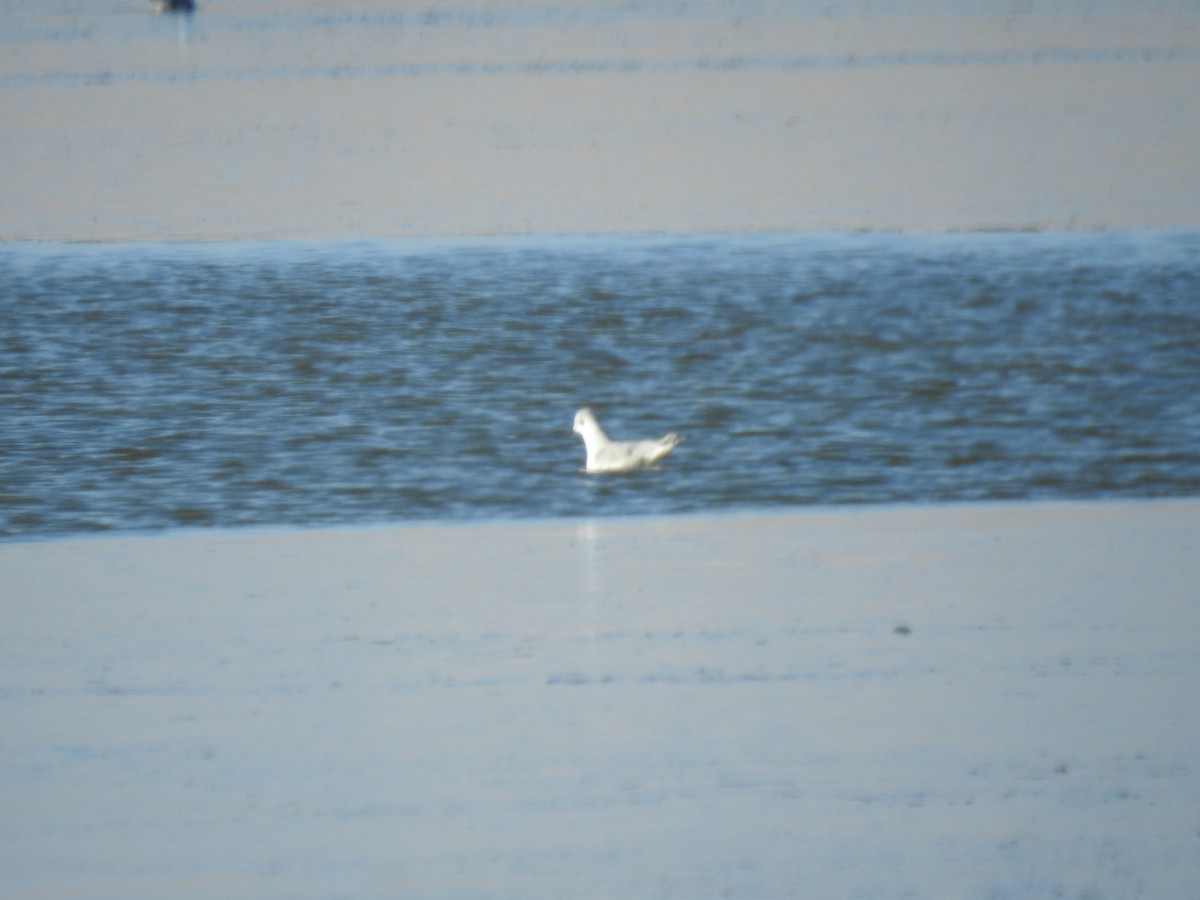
column 158, row 386
column 241, row 42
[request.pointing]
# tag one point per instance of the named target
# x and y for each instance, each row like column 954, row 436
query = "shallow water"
column 250, row 43
column 154, row 386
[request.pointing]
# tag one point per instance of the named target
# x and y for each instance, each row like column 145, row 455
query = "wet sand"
column 307, row 120
column 966, row 701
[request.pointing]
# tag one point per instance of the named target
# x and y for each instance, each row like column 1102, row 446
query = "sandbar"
column 979, row 700
column 311, row 120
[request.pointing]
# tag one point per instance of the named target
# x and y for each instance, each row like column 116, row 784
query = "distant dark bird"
column 178, row 6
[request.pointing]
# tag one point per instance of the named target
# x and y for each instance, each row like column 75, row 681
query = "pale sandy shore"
column 974, row 701
column 309, row 118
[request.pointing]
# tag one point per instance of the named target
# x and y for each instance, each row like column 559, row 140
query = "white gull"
column 606, row 455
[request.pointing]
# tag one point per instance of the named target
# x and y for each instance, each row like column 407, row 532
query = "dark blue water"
column 158, row 386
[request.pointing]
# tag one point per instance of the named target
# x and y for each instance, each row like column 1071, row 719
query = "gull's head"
column 584, row 420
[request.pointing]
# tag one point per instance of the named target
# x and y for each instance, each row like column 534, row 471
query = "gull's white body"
column 607, row 455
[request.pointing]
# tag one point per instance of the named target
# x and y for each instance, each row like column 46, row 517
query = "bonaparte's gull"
column 605, row 455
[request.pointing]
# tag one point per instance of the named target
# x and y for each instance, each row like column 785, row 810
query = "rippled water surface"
column 155, row 386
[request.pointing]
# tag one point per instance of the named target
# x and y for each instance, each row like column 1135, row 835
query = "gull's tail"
column 666, row 444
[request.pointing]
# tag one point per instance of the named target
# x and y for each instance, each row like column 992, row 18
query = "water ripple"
column 156, row 386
